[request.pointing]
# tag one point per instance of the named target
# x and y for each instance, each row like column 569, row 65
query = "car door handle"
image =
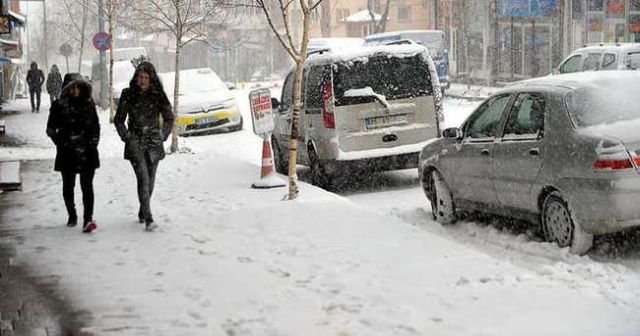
column 484, row 152
column 534, row 151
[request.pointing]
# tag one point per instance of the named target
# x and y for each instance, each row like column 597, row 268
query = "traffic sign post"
column 66, row 50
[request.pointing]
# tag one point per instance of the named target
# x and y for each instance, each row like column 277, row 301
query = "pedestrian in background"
column 147, row 111
column 35, row 79
column 54, row 84
column 74, row 127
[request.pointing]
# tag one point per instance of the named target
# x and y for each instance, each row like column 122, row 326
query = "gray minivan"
column 372, row 109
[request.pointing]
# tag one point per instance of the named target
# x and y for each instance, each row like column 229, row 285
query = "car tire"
column 560, row 225
column 319, row 175
column 281, row 162
column 443, row 208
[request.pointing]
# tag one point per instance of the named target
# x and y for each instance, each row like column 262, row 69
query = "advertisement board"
column 527, row 8
column 261, row 111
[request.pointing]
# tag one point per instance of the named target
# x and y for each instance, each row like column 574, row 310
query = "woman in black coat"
column 146, row 108
column 74, row 127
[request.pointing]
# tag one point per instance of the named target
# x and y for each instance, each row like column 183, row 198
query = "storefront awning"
column 19, row 18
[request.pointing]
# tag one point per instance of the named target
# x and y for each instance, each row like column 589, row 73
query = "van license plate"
column 385, row 121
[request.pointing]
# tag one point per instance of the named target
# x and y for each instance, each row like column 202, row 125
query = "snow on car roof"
column 579, row 80
column 405, row 50
column 609, row 46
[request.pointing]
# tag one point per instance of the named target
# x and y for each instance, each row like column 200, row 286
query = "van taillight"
column 327, row 106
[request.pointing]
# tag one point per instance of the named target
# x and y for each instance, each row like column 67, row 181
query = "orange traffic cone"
column 268, row 177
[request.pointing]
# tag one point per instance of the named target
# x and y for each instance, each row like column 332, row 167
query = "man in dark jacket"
column 54, row 84
column 35, row 79
column 74, row 127
column 144, row 105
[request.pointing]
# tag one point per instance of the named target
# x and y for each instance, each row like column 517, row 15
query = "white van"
column 122, row 70
column 370, row 109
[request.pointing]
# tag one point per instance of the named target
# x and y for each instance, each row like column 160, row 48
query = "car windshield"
column 604, row 104
column 194, row 81
column 391, row 77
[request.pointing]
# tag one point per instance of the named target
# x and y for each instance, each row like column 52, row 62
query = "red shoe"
column 89, row 227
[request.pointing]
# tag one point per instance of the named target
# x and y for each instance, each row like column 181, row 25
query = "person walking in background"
column 35, row 79
column 74, row 127
column 54, row 84
column 142, row 105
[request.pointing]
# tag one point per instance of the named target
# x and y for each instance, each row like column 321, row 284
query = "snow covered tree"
column 297, row 50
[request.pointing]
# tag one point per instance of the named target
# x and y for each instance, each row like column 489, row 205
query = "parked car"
column 562, row 152
column 206, row 104
column 373, row 108
column 619, row 56
column 123, row 70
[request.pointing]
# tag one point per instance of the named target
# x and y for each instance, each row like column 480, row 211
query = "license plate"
column 205, row 120
column 385, row 121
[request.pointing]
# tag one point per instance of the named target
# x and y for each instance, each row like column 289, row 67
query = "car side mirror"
column 275, row 104
column 452, row 133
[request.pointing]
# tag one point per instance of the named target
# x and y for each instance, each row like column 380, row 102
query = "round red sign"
column 102, row 41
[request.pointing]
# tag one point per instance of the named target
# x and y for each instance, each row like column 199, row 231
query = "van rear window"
column 392, row 77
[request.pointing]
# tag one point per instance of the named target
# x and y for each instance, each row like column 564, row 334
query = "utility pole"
column 103, row 57
column 46, row 37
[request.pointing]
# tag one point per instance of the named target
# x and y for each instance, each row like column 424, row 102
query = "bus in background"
column 432, row 39
column 122, row 70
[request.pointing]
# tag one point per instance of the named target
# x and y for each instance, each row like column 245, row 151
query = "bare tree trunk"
column 176, row 91
column 325, row 20
column 382, row 26
column 83, row 30
column 297, row 107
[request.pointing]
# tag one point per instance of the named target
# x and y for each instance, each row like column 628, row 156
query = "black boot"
column 149, row 224
column 73, row 220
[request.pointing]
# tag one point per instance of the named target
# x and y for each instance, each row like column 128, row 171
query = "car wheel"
column 319, row 176
column 560, row 226
column 442, row 206
column 281, row 163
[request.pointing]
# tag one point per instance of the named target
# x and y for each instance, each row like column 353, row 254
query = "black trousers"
column 86, row 184
column 145, row 171
column 36, row 93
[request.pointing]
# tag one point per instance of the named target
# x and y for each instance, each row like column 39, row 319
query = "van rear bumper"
column 393, row 162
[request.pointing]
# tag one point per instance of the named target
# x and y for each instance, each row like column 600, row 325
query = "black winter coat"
column 143, row 135
column 35, row 78
column 74, row 127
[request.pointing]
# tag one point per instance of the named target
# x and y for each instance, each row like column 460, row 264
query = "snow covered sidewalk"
column 230, row 260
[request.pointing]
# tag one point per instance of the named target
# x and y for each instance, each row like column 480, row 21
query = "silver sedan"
column 562, row 152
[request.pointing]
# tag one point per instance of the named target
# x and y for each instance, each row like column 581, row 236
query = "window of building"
column 404, row 13
column 342, row 13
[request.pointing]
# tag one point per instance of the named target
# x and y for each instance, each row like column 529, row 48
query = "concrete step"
column 10, row 176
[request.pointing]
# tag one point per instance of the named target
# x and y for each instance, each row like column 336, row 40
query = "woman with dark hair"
column 142, row 105
column 74, row 127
